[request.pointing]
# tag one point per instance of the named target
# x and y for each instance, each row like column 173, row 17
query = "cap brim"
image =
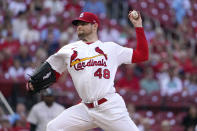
column 75, row 22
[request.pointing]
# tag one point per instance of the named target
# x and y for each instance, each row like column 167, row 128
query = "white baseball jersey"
column 91, row 66
column 41, row 114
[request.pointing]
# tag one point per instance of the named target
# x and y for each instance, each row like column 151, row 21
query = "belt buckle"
column 95, row 103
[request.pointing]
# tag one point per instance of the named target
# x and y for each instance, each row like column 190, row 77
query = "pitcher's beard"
column 84, row 35
column 81, row 36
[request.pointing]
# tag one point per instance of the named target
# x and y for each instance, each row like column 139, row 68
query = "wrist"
column 136, row 26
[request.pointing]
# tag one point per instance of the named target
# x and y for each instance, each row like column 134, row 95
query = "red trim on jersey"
column 141, row 52
column 89, row 43
column 57, row 75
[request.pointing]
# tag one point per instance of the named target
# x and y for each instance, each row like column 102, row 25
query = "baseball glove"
column 43, row 77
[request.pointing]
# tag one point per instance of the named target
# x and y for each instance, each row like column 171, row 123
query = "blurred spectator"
column 29, row 35
column 50, row 30
column 180, row 7
column 24, row 56
column 95, row 6
column 20, row 112
column 125, row 37
column 145, row 125
column 18, row 120
column 53, row 45
column 55, row 6
column 192, row 85
column 73, row 8
column 190, row 120
column 19, row 24
column 6, row 60
column 171, row 83
column 184, row 30
column 165, row 126
column 178, row 51
column 45, row 19
column 5, row 125
column 119, row 15
column 131, row 37
column 149, row 30
column 44, row 111
column 67, row 36
column 21, row 124
column 10, row 44
column 40, row 56
column 184, row 61
column 3, row 5
column 131, row 110
column 185, row 80
column 29, row 70
column 149, row 83
column 129, row 82
column 36, row 6
column 16, row 70
column 109, row 32
column 17, row 6
column 159, row 39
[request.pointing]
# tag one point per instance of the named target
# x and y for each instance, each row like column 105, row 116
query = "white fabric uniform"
column 41, row 114
column 93, row 68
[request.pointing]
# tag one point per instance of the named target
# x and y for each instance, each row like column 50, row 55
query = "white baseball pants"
column 110, row 116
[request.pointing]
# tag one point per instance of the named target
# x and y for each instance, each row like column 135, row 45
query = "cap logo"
column 81, row 15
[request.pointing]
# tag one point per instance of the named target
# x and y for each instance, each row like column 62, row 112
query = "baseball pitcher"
column 92, row 65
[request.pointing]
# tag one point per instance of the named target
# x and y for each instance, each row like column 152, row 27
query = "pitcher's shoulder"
column 72, row 45
column 111, row 44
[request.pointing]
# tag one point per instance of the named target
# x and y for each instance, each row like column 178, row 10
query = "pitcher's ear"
column 95, row 25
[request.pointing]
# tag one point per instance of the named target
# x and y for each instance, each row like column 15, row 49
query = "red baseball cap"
column 86, row 17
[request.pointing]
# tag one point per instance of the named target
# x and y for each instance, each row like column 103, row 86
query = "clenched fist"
column 135, row 18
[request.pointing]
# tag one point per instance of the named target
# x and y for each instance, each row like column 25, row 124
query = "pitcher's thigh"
column 72, row 119
column 124, row 124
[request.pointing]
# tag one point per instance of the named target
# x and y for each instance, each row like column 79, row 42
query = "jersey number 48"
column 102, row 73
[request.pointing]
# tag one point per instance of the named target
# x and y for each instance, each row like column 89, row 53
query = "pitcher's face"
column 84, row 29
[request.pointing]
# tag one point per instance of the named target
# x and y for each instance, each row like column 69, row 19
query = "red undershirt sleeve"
column 141, row 53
